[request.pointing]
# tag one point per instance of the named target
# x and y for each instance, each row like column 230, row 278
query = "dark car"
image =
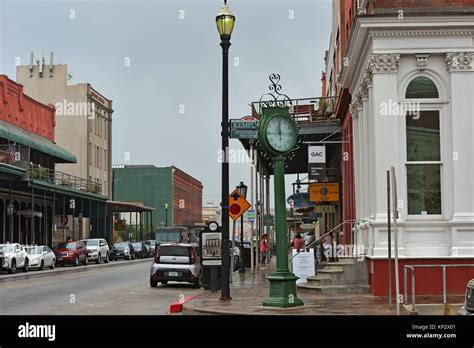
column 141, row 251
column 152, row 244
column 125, row 251
column 71, row 253
column 112, row 251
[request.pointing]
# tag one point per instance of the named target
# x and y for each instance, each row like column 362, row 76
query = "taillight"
column 193, row 255
column 157, row 254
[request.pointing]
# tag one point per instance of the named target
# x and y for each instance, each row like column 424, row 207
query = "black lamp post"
column 10, row 211
column 80, row 218
column 225, row 24
column 242, row 188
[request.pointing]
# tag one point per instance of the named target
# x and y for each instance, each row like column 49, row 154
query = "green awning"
column 24, row 137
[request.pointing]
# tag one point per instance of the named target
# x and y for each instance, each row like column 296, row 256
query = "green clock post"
column 278, row 137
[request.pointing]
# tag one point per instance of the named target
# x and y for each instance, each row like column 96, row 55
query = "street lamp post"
column 242, row 188
column 225, row 24
column 166, row 213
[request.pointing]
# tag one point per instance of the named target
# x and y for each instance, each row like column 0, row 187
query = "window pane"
column 421, row 87
column 424, row 189
column 423, row 140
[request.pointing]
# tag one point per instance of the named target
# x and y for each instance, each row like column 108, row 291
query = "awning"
column 24, row 137
column 126, row 207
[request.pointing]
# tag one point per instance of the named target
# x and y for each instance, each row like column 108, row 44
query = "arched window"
column 421, row 87
column 423, row 144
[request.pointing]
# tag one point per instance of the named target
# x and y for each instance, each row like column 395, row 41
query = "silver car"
column 176, row 262
column 41, row 256
column 98, row 249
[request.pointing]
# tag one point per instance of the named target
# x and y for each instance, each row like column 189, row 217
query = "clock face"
column 213, row 226
column 281, row 134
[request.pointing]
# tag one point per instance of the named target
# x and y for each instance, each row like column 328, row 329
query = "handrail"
column 413, row 290
column 324, row 235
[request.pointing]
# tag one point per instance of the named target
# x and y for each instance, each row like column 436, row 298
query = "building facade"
column 175, row 195
column 83, row 119
column 408, row 86
column 39, row 205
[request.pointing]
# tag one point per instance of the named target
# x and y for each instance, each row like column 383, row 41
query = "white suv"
column 98, row 249
column 14, row 257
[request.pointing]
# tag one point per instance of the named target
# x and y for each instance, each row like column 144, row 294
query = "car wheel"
column 41, row 266
column 164, row 282
column 25, row 267
column 106, row 260
column 53, row 265
column 12, row 269
column 86, row 261
column 76, row 261
column 153, row 283
column 99, row 259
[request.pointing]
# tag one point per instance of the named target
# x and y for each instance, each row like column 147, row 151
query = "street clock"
column 278, row 133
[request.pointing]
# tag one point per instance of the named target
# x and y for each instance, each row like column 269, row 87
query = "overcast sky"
column 175, row 66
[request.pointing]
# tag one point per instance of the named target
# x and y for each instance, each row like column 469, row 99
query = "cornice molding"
column 411, row 34
column 377, row 63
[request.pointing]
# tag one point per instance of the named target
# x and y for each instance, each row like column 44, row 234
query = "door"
column 48, row 257
column 103, row 248
column 20, row 255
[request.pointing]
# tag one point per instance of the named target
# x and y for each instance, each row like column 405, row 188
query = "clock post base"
column 283, row 290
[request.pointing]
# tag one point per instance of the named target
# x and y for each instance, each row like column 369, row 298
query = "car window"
column 67, row 245
column 174, row 251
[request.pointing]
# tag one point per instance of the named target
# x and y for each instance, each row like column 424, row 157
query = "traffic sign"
column 238, row 205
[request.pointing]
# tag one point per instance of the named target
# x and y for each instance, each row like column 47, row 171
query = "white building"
column 422, row 64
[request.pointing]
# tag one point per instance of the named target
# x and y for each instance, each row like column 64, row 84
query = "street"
column 123, row 290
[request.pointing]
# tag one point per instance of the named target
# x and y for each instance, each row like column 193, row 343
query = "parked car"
column 141, row 251
column 176, row 262
column 152, row 246
column 14, row 256
column 125, row 250
column 149, row 249
column 112, row 251
column 98, row 249
column 71, row 253
column 41, row 256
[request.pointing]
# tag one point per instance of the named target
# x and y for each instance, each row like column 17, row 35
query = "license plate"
column 173, row 274
column 60, row 258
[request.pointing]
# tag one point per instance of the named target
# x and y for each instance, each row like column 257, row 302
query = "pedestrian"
column 308, row 239
column 263, row 249
column 298, row 242
column 68, row 239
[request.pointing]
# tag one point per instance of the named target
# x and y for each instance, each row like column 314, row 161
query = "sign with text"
column 211, row 246
column 245, row 128
column 324, row 192
column 303, row 265
column 317, row 162
column 325, row 209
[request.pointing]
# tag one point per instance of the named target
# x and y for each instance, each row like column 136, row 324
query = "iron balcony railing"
column 15, row 155
column 37, row 172
column 307, row 110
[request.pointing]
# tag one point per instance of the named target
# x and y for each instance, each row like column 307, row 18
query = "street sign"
column 325, row 209
column 250, row 215
column 268, row 220
column 237, row 205
column 303, row 265
column 245, row 128
column 317, row 162
column 324, row 192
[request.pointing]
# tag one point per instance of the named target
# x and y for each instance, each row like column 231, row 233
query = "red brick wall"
column 24, row 112
column 187, row 191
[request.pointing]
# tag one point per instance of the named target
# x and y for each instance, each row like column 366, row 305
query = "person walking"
column 297, row 242
column 308, row 239
column 263, row 249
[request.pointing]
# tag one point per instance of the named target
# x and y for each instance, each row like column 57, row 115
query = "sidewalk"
column 249, row 290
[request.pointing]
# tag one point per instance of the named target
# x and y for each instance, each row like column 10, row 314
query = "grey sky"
column 173, row 62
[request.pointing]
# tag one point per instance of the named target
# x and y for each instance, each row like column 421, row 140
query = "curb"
column 177, row 307
column 59, row 271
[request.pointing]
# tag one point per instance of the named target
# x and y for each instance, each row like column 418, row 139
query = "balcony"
column 36, row 172
column 308, row 110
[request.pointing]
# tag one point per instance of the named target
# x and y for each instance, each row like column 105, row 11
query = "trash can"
column 248, row 255
column 206, row 277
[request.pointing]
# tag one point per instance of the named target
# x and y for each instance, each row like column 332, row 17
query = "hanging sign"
column 317, row 162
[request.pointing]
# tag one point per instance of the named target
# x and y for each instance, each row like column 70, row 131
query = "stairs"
column 347, row 276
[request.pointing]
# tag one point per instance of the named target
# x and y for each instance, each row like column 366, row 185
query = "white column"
column 460, row 66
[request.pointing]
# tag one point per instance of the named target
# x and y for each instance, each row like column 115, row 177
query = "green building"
column 176, row 196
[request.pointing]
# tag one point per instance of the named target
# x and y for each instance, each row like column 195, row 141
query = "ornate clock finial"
column 275, row 98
